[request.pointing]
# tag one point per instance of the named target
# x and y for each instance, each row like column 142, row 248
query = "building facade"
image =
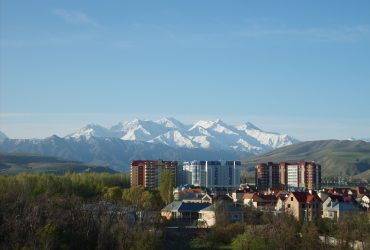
column 305, row 175
column 212, row 174
column 147, row 172
column 267, row 175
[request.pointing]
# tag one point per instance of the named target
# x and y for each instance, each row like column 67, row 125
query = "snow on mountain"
column 3, row 136
column 91, row 130
column 174, row 139
column 270, row 139
column 139, row 130
column 359, row 139
column 171, row 123
column 215, row 135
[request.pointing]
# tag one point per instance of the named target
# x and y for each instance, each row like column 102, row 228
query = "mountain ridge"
column 112, row 152
column 12, row 164
column 215, row 135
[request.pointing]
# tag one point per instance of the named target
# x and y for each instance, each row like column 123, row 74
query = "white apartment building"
column 212, row 174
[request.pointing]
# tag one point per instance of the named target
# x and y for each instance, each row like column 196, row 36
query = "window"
column 291, row 198
column 288, row 205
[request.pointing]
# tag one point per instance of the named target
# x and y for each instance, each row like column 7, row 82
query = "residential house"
column 303, row 205
column 336, row 209
column 181, row 192
column 335, row 197
column 280, row 203
column 200, row 198
column 187, row 212
column 222, row 210
column 238, row 195
column 259, row 201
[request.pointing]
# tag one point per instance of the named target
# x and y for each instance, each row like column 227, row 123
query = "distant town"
column 285, row 187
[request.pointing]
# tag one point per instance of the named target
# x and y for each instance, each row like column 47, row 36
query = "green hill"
column 11, row 164
column 346, row 158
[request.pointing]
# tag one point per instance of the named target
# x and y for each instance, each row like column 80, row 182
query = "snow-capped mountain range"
column 215, row 135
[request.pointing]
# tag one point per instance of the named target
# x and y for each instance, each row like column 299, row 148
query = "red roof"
column 341, row 198
column 260, row 197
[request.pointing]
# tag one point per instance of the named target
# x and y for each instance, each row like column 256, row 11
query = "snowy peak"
column 138, row 133
column 215, row 135
column 170, row 123
column 247, row 126
column 203, row 124
column 3, row 136
column 359, row 139
column 91, row 130
column 174, row 139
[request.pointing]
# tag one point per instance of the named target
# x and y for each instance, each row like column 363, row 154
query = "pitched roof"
column 305, row 197
column 179, row 206
column 173, row 206
column 228, row 208
column 192, row 207
column 248, row 195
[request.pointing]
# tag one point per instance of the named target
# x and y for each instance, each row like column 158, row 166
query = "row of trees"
column 80, row 211
column 262, row 230
column 87, row 185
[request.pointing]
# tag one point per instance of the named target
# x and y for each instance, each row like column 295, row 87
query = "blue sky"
column 301, row 68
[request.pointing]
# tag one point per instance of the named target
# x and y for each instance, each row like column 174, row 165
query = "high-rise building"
column 303, row 174
column 147, row 172
column 267, row 175
column 306, row 175
column 212, row 174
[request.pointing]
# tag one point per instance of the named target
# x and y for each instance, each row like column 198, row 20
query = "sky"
column 295, row 67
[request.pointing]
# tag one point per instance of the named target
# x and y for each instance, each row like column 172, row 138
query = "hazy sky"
column 286, row 66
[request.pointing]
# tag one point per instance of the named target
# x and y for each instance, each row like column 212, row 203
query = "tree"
column 246, row 242
column 166, row 185
column 113, row 193
column 310, row 235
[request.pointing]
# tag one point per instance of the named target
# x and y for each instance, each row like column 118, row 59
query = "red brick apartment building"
column 306, row 175
column 148, row 172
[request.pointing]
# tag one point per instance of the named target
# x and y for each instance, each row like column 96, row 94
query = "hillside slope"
column 347, row 158
column 11, row 164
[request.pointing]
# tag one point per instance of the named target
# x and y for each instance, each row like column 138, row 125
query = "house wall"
column 280, row 205
column 209, row 217
column 325, row 207
column 292, row 206
column 166, row 214
column 237, row 197
column 250, row 203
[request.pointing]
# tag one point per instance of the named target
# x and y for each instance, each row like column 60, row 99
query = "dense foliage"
column 77, row 211
column 166, row 185
column 100, row 211
column 263, row 230
column 28, row 186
